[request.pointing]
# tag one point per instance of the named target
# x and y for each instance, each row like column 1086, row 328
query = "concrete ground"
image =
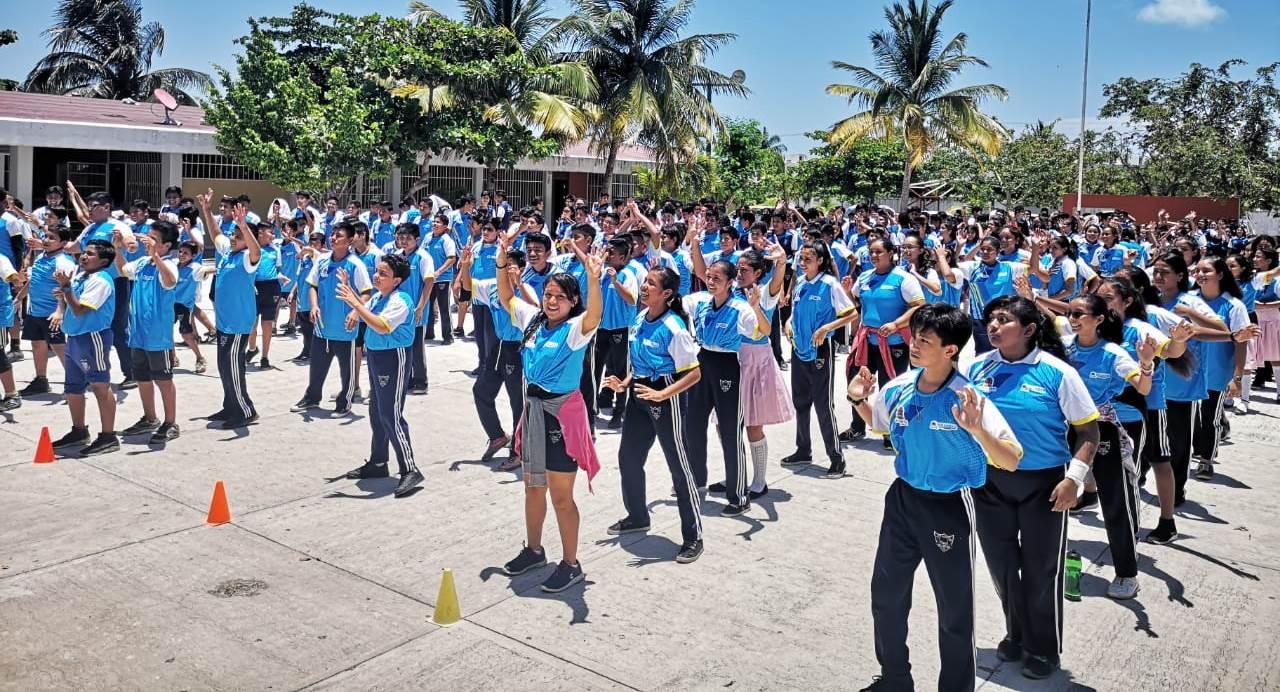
column 110, row 578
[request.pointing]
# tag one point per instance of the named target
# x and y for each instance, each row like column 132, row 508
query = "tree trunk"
column 611, row 160
column 905, row 197
column 490, row 183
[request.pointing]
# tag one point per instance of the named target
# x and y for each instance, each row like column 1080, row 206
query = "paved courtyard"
column 110, row 579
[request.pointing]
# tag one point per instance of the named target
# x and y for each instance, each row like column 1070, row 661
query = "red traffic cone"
column 44, row 449
column 219, row 512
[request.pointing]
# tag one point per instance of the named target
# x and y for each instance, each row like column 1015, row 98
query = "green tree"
column 749, row 167
column 910, row 97
column 654, row 85
column 102, row 49
column 863, row 170
column 1035, row 168
column 1204, row 132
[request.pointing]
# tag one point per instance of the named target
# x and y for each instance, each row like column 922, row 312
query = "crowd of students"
column 1106, row 348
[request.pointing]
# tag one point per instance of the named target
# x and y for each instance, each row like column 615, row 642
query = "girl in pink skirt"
column 1266, row 281
column 765, row 398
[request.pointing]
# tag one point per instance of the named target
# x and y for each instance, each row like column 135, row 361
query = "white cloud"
column 1183, row 12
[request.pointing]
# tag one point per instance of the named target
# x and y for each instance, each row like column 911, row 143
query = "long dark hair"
column 1174, row 259
column 826, row 265
column 1135, row 289
column 1112, row 326
column 669, row 280
column 1027, row 313
column 924, row 260
column 1226, row 280
column 567, row 283
column 1141, row 283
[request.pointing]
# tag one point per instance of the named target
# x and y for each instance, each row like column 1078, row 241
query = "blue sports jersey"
column 570, row 265
column 840, row 254
column 484, row 261
column 370, row 258
column 814, row 303
column 268, row 264
column 96, row 291
column 304, row 295
column 441, row 248
column 1218, row 357
column 618, row 313
column 396, row 312
column 535, row 280
column 1249, row 296
column 185, row 292
column 381, row 233
column 1195, row 387
column 721, row 328
column 503, row 327
column 768, row 305
column 988, row 282
column 288, row 261
column 1109, row 260
column 7, row 272
column 552, row 357
column 102, row 231
column 886, row 297
column 710, row 242
column 661, row 347
column 1135, row 330
column 1105, row 368
column 1040, row 396
column 237, row 299
column 42, row 302
column 933, row 452
column 333, row 312
column 150, row 306
column 1057, row 275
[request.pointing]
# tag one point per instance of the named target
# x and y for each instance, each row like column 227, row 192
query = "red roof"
column 77, row 109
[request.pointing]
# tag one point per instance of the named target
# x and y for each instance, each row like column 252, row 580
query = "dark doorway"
column 559, row 190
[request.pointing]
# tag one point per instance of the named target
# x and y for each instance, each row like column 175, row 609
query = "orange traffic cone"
column 219, row 512
column 44, row 449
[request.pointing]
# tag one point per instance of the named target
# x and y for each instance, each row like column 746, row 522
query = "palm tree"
column 909, row 97
column 651, row 80
column 773, row 142
column 101, row 49
column 553, row 99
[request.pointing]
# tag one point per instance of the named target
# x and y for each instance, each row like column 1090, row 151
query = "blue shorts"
column 87, row 361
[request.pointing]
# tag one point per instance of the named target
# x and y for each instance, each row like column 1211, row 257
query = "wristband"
column 1077, row 472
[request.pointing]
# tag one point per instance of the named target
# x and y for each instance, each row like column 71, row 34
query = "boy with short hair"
column 43, row 325
column 89, row 297
column 154, row 277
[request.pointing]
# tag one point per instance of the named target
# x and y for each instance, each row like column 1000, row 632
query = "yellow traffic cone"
column 447, row 609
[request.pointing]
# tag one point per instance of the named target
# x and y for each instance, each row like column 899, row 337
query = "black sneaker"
column 104, row 444
column 164, row 433
column 615, row 423
column 887, row 444
column 566, row 575
column 250, row 355
column 418, row 391
column 459, row 332
column 851, row 435
column 717, row 488
column 218, row 416
column 1087, row 500
column 784, row 366
column 797, row 458
column 496, row 445
column 128, row 383
column 343, row 410
column 447, row 342
column 528, row 559
column 1179, row 498
column 1038, row 667
column 1204, row 471
column 264, row 364
column 77, row 437
column 1009, row 651
column 689, row 552
column 15, row 353
column 836, row 470
column 409, row 482
column 735, row 510
column 10, row 403
column 369, row 470
column 757, row 494
column 144, row 425
column 233, row 423
column 879, row 684
column 625, row 526
column 1164, row 533
column 39, row 385
column 304, row 405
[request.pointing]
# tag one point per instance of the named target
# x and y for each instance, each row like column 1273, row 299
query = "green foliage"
column 749, row 167
column 700, row 178
column 1203, row 132
column 867, row 169
column 321, row 97
column 8, row 36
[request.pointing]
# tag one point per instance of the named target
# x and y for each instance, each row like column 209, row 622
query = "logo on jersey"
column 1099, row 375
column 900, row 417
column 383, row 380
column 944, row 541
column 726, row 385
column 1028, row 388
column 943, row 427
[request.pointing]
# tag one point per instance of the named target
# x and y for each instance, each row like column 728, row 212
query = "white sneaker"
column 1123, row 588
column 1242, row 407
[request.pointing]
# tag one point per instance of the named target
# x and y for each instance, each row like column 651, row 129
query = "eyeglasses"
column 1077, row 314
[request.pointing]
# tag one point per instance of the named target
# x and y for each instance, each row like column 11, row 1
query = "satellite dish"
column 164, row 98
column 738, row 76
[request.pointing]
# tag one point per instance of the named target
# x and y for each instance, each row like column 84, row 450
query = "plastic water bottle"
column 1072, row 587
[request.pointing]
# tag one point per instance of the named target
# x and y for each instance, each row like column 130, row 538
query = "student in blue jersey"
column 335, row 323
column 330, row 217
column 537, row 252
column 765, row 399
column 301, row 296
column 1242, row 270
column 388, row 340
column 266, row 287
column 90, row 308
column 100, row 228
column 422, row 277
column 664, row 365
column 1094, row 346
column 382, row 228
column 151, row 308
column 12, row 283
column 1022, row 514
column 820, row 306
column 1013, row 246
column 369, row 255
column 444, row 255
column 1222, row 359
column 237, row 265
column 945, row 435
column 502, row 369
column 1054, row 276
column 191, row 271
column 553, row 438
column 887, row 296
column 720, row 322
column 43, row 324
column 988, row 278
column 484, row 258
column 620, row 288
column 1110, row 256
column 292, row 239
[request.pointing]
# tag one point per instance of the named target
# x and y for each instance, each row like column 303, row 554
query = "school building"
column 125, row 149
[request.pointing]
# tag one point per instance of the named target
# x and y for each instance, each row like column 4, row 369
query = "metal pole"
column 1084, row 97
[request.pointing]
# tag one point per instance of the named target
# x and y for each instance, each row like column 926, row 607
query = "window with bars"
column 215, row 166
column 521, row 186
column 447, row 182
column 624, row 185
column 371, row 190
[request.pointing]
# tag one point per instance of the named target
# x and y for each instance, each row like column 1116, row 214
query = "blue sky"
column 1034, row 47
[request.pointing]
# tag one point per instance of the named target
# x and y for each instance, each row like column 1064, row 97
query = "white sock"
column 1246, row 386
column 759, row 459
